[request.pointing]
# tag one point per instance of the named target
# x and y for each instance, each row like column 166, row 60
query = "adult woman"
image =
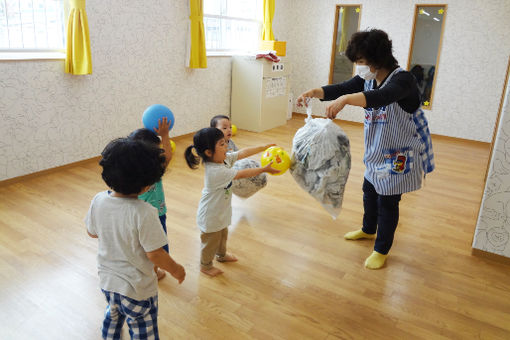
column 398, row 149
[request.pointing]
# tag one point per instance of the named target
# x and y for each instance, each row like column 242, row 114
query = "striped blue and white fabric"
column 141, row 317
column 398, row 147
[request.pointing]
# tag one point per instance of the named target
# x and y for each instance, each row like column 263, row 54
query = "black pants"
column 381, row 216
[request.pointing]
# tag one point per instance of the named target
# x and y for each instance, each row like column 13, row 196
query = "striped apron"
column 398, row 148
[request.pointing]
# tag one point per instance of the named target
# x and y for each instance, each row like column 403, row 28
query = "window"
column 232, row 26
column 33, row 27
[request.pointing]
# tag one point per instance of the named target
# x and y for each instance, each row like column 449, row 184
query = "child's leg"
column 209, row 246
column 221, row 254
column 113, row 317
column 160, row 273
column 142, row 317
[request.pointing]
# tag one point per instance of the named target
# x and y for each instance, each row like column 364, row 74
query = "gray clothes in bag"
column 246, row 187
column 321, row 161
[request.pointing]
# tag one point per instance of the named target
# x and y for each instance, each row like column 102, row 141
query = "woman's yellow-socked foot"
column 375, row 260
column 357, row 235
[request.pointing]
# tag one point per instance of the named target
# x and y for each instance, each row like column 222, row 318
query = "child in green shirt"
column 156, row 195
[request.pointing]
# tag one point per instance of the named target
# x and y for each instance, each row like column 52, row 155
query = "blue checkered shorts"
column 142, row 317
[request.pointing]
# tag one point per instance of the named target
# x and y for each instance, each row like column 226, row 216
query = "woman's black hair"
column 374, row 46
column 130, row 165
column 145, row 135
column 216, row 119
column 204, row 139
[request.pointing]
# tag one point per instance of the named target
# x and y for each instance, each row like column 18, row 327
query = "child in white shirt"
column 215, row 207
column 130, row 238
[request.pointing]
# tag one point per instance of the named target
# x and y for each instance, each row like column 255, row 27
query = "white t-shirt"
column 127, row 228
column 215, row 207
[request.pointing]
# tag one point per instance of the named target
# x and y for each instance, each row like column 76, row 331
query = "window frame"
column 229, row 52
column 39, row 53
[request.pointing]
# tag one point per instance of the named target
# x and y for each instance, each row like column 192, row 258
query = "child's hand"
column 269, row 169
column 163, row 127
column 179, row 273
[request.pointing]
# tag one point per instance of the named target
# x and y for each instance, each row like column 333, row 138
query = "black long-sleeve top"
column 401, row 88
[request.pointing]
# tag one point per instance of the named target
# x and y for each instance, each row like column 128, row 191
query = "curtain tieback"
column 78, row 4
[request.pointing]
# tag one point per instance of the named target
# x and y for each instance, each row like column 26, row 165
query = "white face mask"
column 364, row 72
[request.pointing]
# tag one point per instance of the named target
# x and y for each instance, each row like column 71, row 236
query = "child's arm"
column 163, row 260
column 252, row 172
column 162, row 131
column 247, row 152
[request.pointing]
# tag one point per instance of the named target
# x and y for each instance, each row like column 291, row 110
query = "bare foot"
column 213, row 271
column 160, row 273
column 227, row 258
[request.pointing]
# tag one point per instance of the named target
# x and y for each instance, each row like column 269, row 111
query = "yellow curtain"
column 78, row 56
column 197, row 57
column 267, row 28
column 342, row 46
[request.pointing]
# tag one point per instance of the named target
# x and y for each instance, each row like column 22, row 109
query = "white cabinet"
column 260, row 93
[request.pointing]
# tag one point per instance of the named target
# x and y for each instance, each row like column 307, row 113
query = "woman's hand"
column 336, row 106
column 313, row 93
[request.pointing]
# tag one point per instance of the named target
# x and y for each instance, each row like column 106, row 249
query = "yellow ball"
column 173, row 146
column 234, row 130
column 279, row 157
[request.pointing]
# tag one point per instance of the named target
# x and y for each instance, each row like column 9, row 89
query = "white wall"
column 471, row 71
column 49, row 118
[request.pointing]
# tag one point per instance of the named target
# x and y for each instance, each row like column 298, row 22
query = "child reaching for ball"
column 215, row 207
column 155, row 195
column 223, row 123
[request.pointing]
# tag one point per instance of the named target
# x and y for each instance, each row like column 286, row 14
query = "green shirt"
column 156, row 197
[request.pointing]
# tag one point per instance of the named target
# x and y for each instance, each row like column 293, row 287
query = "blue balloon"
column 154, row 113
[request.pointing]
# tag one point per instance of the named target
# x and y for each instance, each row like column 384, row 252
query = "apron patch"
column 398, row 161
column 376, row 115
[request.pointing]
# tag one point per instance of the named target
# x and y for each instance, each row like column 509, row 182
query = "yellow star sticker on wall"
column 426, row 103
column 440, row 11
column 357, row 10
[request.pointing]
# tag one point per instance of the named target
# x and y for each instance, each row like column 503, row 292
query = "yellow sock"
column 357, row 234
column 375, row 260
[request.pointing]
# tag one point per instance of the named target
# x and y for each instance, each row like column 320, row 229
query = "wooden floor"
column 297, row 278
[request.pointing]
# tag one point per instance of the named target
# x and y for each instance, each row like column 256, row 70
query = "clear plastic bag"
column 321, row 161
column 246, row 187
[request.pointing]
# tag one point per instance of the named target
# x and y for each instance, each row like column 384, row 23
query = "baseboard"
column 70, row 165
column 490, row 256
column 47, row 171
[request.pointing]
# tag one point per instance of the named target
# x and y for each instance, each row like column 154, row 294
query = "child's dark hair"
column 145, row 135
column 374, row 46
column 216, row 119
column 205, row 139
column 130, row 165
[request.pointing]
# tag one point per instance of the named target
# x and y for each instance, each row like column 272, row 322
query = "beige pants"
column 212, row 244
